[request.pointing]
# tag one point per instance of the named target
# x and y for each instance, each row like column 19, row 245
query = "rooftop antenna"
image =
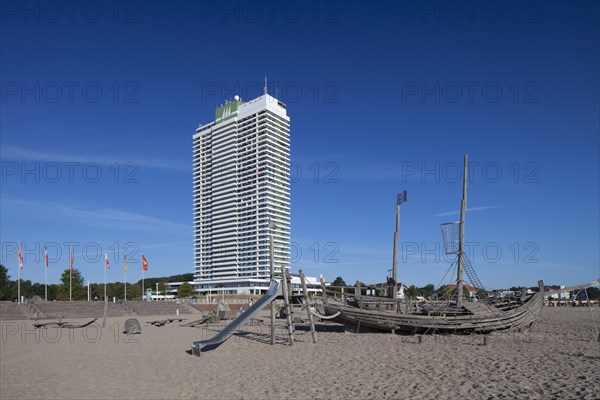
column 266, row 84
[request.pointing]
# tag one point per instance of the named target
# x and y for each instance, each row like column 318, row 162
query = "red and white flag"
column 106, row 260
column 46, row 256
column 20, row 257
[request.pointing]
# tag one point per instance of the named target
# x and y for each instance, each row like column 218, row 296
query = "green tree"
column 117, row 289
column 593, row 293
column 185, row 290
column 134, row 291
column 97, row 291
column 161, row 286
column 339, row 281
column 78, row 292
column 427, row 291
column 412, row 292
column 26, row 289
column 53, row 291
column 181, row 278
column 444, row 292
column 5, row 284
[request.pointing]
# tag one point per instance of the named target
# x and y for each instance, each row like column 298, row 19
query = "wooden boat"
column 440, row 317
column 454, row 316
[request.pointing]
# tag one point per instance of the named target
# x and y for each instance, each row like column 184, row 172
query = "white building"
column 559, row 296
column 241, row 182
column 313, row 286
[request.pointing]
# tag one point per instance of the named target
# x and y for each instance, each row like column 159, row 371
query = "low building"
column 313, row 285
column 472, row 290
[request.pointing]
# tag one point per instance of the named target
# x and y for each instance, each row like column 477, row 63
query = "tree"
column 134, row 291
column 181, row 278
column 5, row 284
column 77, row 290
column 339, row 281
column 444, row 292
column 427, row 291
column 26, row 289
column 185, row 290
column 593, row 293
column 412, row 292
column 162, row 286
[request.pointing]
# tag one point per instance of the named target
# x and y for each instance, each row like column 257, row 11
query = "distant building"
column 557, row 296
column 241, row 182
column 313, row 285
column 472, row 290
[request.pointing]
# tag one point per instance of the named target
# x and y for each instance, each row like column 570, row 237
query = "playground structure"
column 278, row 288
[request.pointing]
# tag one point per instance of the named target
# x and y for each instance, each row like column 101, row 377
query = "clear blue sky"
column 100, row 102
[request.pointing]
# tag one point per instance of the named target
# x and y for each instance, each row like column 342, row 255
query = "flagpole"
column 20, row 255
column 46, row 274
column 105, row 299
column 70, row 284
column 143, row 297
column 105, row 283
column 125, row 299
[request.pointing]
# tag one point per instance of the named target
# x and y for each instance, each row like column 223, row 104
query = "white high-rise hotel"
column 241, row 182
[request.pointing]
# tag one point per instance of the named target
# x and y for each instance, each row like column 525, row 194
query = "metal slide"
column 243, row 319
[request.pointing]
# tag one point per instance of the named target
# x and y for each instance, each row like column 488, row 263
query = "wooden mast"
column 394, row 292
column 461, row 241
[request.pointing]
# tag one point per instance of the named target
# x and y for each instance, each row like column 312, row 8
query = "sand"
column 558, row 358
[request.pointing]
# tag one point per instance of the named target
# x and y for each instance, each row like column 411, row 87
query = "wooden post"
column 311, row 321
column 358, row 293
column 461, row 240
column 323, row 288
column 288, row 310
column 392, row 292
column 343, row 299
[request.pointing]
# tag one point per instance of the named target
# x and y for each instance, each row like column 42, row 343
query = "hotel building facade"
column 241, row 178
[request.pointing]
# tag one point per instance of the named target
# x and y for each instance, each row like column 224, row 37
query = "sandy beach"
column 558, row 358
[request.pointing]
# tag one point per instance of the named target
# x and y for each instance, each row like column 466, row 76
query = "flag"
column 144, row 263
column 46, row 256
column 106, row 260
column 70, row 262
column 125, row 263
column 20, row 257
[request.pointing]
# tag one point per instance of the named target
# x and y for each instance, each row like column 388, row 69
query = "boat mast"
column 461, row 240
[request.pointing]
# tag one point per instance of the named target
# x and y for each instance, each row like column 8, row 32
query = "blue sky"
column 100, row 102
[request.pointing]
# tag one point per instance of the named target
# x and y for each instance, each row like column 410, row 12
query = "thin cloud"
column 17, row 153
column 105, row 217
column 457, row 212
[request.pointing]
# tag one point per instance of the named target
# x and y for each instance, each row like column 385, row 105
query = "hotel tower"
column 241, row 184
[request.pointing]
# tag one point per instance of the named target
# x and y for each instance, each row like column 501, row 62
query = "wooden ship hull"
column 458, row 316
column 472, row 317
